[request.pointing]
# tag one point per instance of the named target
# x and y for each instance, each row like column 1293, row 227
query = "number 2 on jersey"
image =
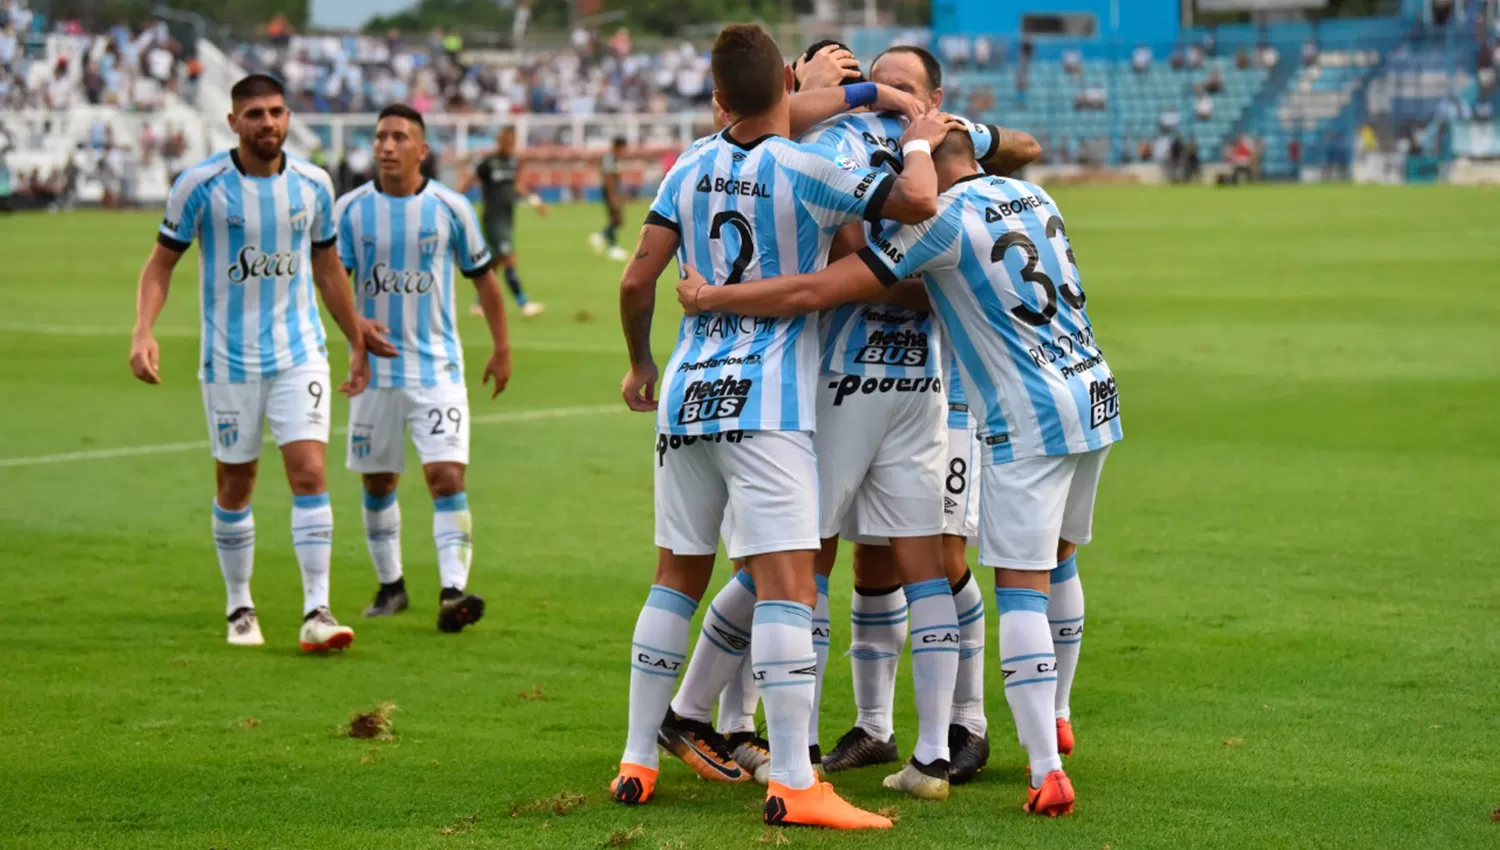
column 747, row 242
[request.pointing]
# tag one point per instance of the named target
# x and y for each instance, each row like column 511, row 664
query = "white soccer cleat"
column 244, row 628
column 532, row 309
column 923, row 781
column 597, row 240
column 321, row 632
column 618, row 254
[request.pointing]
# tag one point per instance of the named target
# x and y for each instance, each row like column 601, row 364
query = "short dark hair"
column 618, row 142
column 812, row 50
column 256, row 85
column 958, row 144
column 747, row 68
column 929, row 62
column 401, row 110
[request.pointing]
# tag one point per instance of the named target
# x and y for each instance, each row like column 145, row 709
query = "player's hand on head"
column 145, row 356
column 688, row 288
column 639, row 387
column 828, row 67
column 359, row 373
column 889, row 99
column 373, row 336
column 498, row 368
column 932, row 127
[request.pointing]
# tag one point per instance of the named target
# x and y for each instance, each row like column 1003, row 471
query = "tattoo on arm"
column 1013, row 149
column 638, row 333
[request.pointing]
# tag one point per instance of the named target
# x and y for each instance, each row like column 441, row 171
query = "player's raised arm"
column 913, row 196
column 1002, row 151
column 813, row 107
column 658, row 242
column 151, row 296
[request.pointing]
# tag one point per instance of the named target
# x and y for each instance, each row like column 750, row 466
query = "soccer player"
column 1002, row 276
column 264, row 221
column 498, row 174
column 737, row 409
column 402, row 236
column 614, row 202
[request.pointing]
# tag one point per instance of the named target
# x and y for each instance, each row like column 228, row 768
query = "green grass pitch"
column 1292, row 596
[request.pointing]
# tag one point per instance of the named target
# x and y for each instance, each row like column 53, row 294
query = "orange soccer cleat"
column 1064, row 737
column 1054, row 798
column 635, row 785
column 817, row 805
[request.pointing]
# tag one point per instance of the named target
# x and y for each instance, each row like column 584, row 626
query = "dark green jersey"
column 497, row 181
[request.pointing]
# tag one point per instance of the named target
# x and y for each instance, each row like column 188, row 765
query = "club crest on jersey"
column 227, row 428
column 845, row 163
column 360, row 441
column 298, row 219
column 235, row 221
column 427, row 242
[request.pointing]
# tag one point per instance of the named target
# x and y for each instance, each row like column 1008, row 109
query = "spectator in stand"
column 1309, row 53
column 1242, row 59
column 1268, row 56
column 983, row 53
column 1176, row 61
column 1215, row 82
column 9, row 49
column 1484, row 71
column 1203, row 108
column 1194, row 57
column 981, row 101
column 1072, row 62
column 1090, row 98
column 1241, row 159
column 1210, row 44
column 1169, row 120
column 955, row 49
column 1140, row 59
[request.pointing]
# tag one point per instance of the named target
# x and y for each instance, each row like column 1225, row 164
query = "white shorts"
column 378, row 419
column 961, row 484
column 1030, row 504
column 768, row 479
column 296, row 403
column 880, row 446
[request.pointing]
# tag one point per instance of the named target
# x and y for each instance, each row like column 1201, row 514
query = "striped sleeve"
column 184, row 209
column 343, row 214
column 663, row 211
column 929, row 246
column 467, row 242
column 835, row 185
column 324, row 226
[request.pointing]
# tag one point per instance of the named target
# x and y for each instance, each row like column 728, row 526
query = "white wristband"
column 919, row 145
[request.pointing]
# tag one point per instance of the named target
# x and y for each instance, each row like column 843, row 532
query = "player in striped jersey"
column 264, row 225
column 736, row 413
column 402, row 236
column 614, row 202
column 1002, row 277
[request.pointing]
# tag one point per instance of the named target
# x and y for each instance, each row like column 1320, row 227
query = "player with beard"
column 402, row 237
column 265, row 230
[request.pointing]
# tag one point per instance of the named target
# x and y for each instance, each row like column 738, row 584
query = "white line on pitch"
column 169, row 332
column 201, row 445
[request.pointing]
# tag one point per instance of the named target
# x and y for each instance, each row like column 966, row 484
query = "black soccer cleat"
column 700, row 747
column 457, row 609
column 752, row 753
column 390, row 599
column 969, row 752
column 859, row 748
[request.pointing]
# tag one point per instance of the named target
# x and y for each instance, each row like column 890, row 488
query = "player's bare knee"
column 785, row 576
column 918, row 558
column 874, row 566
column 444, row 479
column 688, row 574
column 304, row 467
column 827, row 555
column 1065, row 550
column 381, row 484
column 1038, row 580
column 955, row 557
column 235, row 484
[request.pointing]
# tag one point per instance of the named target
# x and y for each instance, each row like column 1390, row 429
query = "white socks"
column 934, row 664
column 382, row 516
column 234, row 542
column 877, row 632
column 452, row 531
column 738, row 701
column 657, row 652
column 312, row 538
column 821, row 629
column 1065, row 615
column 968, row 692
column 786, row 668
column 722, row 646
column 1030, row 669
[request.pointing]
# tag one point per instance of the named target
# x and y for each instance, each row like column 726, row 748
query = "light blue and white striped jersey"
column 1005, row 285
column 877, row 339
column 745, row 212
column 255, row 237
column 402, row 252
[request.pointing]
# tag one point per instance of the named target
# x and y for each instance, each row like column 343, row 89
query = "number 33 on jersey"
column 1004, row 282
